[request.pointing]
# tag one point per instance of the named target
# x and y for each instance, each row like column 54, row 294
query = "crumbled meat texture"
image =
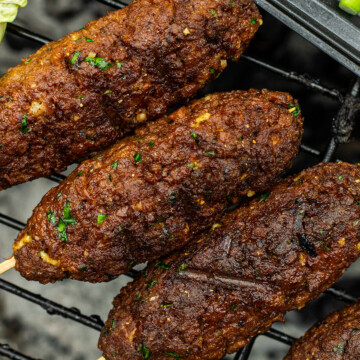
column 81, row 94
column 233, row 282
column 335, row 338
column 150, row 193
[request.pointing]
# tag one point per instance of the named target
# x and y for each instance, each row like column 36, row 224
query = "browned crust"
column 160, row 52
column 242, row 142
column 268, row 257
column 335, row 338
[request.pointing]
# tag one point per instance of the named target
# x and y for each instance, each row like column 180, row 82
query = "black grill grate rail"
column 342, row 127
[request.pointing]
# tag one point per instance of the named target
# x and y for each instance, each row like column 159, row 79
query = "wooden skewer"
column 7, row 265
column 101, row 358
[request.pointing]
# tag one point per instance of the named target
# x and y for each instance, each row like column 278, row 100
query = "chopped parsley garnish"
column 137, row 158
column 240, row 138
column 107, row 92
column 164, row 306
column 113, row 323
column 119, row 64
column 161, row 265
column 172, row 198
column 78, row 174
column 24, row 125
column 75, row 58
column 98, row 62
column 51, row 217
column 59, row 194
column 294, row 109
column 355, row 222
column 195, row 167
column 233, row 307
column 265, row 196
column 101, row 218
column 80, row 96
column 194, row 135
column 61, row 228
column 138, row 297
column 131, row 263
column 212, row 71
column 340, row 177
column 89, row 40
column 338, row 349
column 144, row 351
column 182, row 267
column 212, row 153
column 176, row 356
column 83, row 267
column 151, row 283
column 1, row 145
column 325, row 246
column 213, row 13
column 120, row 228
column 66, row 214
column 253, row 21
column 114, row 165
column 151, row 143
column 357, row 202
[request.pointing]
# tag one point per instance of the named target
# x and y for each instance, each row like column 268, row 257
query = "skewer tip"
column 7, row 265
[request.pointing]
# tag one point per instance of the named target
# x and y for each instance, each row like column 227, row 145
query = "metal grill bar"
column 279, row 336
column 52, row 308
column 113, row 3
column 244, row 353
column 10, row 353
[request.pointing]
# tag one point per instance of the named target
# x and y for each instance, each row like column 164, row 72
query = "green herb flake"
column 61, row 228
column 340, row 177
column 265, row 196
column 212, row 71
column 233, row 307
column 355, row 222
column 150, row 284
column 89, row 40
column 80, row 96
column 194, row 167
column 164, row 306
column 253, row 21
column 75, row 58
column 120, row 228
column 138, row 297
column 78, row 174
column 24, row 125
column 151, row 143
column 83, row 267
column 357, row 202
column 176, row 356
column 137, row 158
column 325, row 246
column 114, row 165
column 194, row 136
column 119, row 64
column 131, row 263
column 172, row 198
column 213, row 13
column 51, row 217
column 210, row 153
column 101, row 218
column 1, row 145
column 112, row 323
column 59, row 194
column 161, row 265
column 182, row 267
column 66, row 214
column 144, row 351
column 294, row 109
column 338, row 349
column 107, row 92
column 98, row 62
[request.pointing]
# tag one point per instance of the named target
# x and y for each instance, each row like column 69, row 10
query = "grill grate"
column 342, row 127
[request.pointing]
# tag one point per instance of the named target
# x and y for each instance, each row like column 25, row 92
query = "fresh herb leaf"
column 101, row 218
column 75, row 58
column 182, row 267
column 114, row 165
column 120, row 228
column 161, row 265
column 212, row 71
column 113, row 323
column 265, row 196
column 233, row 307
column 340, row 177
column 138, row 297
column 144, row 351
column 107, row 92
column 51, row 217
column 131, row 263
column 150, row 284
column 24, row 125
column 89, row 40
column 151, row 143
column 164, row 306
column 195, row 167
column 61, row 228
column 294, row 109
column 83, row 267
column 176, row 356
column 355, row 222
column 194, row 135
column 253, row 21
column 137, row 158
column 213, row 13
column 172, row 198
column 211, row 153
column 98, row 62
column 119, row 64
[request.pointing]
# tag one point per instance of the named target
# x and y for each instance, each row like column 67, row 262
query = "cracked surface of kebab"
column 231, row 283
column 337, row 337
column 150, row 193
column 81, row 94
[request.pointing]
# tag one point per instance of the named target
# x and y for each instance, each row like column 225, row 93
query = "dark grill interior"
column 325, row 134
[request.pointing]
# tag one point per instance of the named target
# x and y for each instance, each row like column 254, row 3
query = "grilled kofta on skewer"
column 79, row 95
column 268, row 257
column 336, row 337
column 150, row 193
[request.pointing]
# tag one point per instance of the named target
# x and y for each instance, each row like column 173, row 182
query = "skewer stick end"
column 7, row 265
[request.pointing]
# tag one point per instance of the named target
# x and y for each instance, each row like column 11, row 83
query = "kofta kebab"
column 152, row 192
column 81, row 94
column 270, row 256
